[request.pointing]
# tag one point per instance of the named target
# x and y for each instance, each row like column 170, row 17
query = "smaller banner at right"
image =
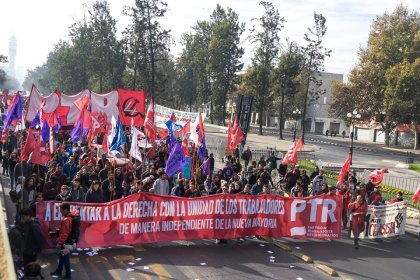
column 386, row 220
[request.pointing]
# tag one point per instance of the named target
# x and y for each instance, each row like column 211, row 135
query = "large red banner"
column 146, row 218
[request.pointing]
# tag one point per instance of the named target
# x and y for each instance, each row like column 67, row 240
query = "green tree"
column 186, row 84
column 3, row 59
column 402, row 95
column 287, row 82
column 314, row 54
column 201, row 58
column 104, row 56
column 145, row 27
column 393, row 42
column 224, row 58
column 268, row 40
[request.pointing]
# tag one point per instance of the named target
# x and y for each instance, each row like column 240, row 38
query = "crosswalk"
column 119, row 263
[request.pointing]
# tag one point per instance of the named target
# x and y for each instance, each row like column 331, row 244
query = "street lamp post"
column 353, row 116
column 296, row 113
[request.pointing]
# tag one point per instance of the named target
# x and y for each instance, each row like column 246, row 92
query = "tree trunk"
column 387, row 135
column 281, row 116
column 223, row 114
column 211, row 113
column 260, row 119
column 416, row 145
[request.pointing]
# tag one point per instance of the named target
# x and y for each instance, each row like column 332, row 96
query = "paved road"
column 390, row 259
column 189, row 260
column 202, row 259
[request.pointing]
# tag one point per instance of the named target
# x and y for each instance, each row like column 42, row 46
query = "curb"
column 328, row 270
column 283, row 246
column 266, row 238
column 303, row 257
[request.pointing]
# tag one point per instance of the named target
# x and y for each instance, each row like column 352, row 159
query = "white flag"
column 134, row 149
column 194, row 134
column 21, row 125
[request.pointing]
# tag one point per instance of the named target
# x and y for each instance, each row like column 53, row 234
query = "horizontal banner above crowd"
column 162, row 114
column 126, row 104
column 147, row 218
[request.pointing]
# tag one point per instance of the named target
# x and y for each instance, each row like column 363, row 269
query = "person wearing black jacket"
column 33, row 239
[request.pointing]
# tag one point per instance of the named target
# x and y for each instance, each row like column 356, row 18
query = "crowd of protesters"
column 82, row 173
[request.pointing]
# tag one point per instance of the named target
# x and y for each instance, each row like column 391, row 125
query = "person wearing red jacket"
column 346, row 200
column 358, row 209
column 397, row 199
column 66, row 241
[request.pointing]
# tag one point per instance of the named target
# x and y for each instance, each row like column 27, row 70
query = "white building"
column 317, row 118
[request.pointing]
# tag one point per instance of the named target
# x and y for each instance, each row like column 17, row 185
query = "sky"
column 38, row 25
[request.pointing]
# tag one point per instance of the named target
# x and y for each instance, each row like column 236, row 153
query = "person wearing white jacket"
column 161, row 185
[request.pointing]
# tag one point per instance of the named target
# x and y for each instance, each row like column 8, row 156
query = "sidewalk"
column 261, row 142
column 347, row 140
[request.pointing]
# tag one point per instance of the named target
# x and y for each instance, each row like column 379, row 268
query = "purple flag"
column 206, row 167
column 15, row 112
column 36, row 121
column 202, row 149
column 45, row 132
column 77, row 132
column 58, row 125
column 176, row 160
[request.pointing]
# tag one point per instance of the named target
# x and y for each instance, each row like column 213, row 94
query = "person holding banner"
column 358, row 210
column 346, row 200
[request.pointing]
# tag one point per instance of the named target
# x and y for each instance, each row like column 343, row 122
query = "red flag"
column 235, row 124
column 131, row 105
column 185, row 146
column 29, row 144
column 87, row 120
column 344, row 170
column 4, row 135
column 378, row 175
column 105, row 141
column 4, row 98
column 82, row 103
column 299, row 143
column 291, row 156
column 151, row 153
column 40, row 154
column 186, row 129
column 149, row 123
column 163, row 133
column 237, row 137
column 229, row 136
column 416, row 196
column 97, row 127
column 173, row 118
column 200, row 127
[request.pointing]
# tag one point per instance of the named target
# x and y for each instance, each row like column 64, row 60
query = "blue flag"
column 36, row 121
column 186, row 169
column 15, row 112
column 45, row 132
column 176, row 160
column 119, row 137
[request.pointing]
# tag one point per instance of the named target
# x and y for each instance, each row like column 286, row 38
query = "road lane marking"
column 93, row 261
column 79, row 268
column 160, row 271
column 138, row 248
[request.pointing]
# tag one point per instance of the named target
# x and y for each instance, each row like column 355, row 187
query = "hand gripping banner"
column 146, row 218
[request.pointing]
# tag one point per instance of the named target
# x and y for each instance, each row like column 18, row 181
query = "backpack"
column 75, row 229
column 14, row 196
